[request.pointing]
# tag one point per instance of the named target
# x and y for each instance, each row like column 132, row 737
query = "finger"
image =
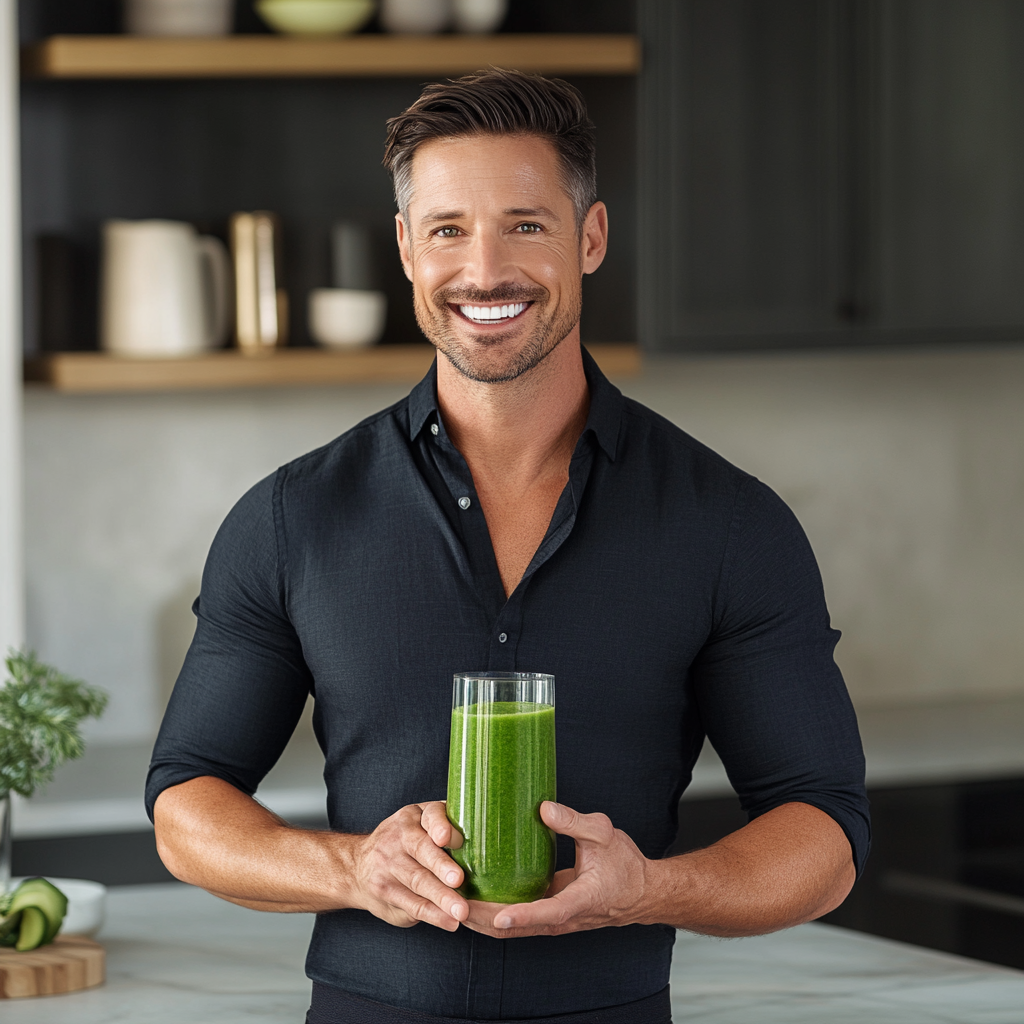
column 481, row 919
column 511, row 933
column 456, row 839
column 427, row 897
column 398, row 904
column 560, row 881
column 436, row 824
column 423, row 850
column 593, row 828
column 410, row 909
column 483, row 913
column 553, row 912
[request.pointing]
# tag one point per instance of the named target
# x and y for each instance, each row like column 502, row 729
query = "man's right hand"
column 401, row 873
column 212, row 835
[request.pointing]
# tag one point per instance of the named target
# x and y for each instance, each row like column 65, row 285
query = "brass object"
column 261, row 304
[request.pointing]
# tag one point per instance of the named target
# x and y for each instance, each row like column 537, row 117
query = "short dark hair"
column 499, row 102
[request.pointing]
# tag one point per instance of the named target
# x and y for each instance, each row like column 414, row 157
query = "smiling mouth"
column 492, row 314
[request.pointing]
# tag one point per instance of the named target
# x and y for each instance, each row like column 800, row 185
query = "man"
column 515, row 512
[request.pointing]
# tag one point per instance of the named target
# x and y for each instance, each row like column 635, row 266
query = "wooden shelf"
column 266, row 56
column 97, row 372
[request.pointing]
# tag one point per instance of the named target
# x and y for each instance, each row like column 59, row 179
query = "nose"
column 488, row 262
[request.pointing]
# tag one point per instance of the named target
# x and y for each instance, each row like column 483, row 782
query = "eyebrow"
column 532, row 211
column 435, row 216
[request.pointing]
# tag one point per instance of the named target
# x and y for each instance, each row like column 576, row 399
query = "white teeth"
column 483, row 314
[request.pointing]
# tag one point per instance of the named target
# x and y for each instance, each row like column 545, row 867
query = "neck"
column 515, row 429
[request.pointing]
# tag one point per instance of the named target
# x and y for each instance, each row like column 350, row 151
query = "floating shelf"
column 96, row 372
column 267, row 56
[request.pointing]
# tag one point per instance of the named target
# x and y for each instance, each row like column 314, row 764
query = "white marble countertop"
column 176, row 954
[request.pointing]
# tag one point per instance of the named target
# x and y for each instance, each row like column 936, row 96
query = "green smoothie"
column 501, row 767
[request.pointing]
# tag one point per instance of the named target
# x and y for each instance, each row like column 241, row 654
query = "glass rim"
column 476, row 676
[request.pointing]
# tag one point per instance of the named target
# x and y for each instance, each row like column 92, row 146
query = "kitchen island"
column 176, row 954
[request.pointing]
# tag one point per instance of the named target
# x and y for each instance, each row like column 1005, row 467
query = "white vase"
column 478, row 15
column 417, row 17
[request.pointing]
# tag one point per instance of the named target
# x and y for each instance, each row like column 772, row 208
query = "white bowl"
column 315, row 17
column 87, row 904
column 478, row 16
column 179, row 17
column 346, row 317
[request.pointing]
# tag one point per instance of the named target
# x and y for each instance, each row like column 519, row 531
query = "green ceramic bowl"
column 315, row 17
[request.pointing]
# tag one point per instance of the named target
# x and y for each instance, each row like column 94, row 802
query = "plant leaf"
column 40, row 713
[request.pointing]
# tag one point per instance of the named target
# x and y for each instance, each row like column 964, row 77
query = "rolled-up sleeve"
column 244, row 681
column 771, row 697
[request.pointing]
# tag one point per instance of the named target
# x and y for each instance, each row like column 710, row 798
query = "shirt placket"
column 467, row 515
column 486, row 973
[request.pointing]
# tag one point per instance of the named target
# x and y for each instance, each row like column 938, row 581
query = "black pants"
column 335, row 1006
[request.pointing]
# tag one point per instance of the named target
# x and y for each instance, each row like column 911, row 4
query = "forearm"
column 786, row 867
column 212, row 835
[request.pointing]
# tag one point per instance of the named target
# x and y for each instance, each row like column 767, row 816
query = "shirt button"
column 464, row 503
column 433, row 429
column 502, row 637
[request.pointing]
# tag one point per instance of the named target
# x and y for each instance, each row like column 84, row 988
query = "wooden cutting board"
column 66, row 965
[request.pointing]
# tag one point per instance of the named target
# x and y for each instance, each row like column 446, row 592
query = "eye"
column 446, row 232
column 529, row 229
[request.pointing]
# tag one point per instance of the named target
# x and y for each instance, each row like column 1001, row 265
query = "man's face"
column 493, row 253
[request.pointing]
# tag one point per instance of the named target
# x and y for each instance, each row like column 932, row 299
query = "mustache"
column 498, row 295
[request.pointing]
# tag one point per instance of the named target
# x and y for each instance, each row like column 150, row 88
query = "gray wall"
column 907, row 471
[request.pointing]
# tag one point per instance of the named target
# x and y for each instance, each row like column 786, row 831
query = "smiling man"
column 515, row 512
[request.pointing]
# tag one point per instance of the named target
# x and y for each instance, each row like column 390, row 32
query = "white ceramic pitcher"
column 164, row 291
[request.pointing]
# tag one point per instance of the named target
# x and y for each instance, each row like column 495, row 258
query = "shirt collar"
column 603, row 421
column 606, row 404
column 423, row 402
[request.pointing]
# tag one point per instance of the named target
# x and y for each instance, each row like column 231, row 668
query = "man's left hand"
column 608, row 886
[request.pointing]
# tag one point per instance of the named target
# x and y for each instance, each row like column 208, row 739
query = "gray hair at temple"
column 499, row 102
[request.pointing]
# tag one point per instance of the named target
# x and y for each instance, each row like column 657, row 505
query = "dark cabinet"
column 841, row 171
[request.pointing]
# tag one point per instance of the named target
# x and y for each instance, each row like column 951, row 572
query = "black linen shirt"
column 673, row 597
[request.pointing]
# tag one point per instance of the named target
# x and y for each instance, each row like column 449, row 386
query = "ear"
column 594, row 238
column 404, row 245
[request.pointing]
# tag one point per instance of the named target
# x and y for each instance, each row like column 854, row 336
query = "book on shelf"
column 261, row 304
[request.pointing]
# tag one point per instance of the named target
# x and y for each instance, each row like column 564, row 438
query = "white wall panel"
column 11, row 576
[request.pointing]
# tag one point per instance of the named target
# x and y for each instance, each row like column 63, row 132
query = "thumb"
column 593, row 828
column 557, row 816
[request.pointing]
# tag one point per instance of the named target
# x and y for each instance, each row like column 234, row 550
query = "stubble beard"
column 437, row 323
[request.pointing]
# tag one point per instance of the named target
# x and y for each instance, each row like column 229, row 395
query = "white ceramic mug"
column 346, row 317
column 164, row 291
column 178, row 17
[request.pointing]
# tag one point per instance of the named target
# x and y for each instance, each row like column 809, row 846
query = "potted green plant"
column 40, row 713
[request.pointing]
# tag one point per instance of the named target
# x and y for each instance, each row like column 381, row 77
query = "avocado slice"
column 41, row 895
column 33, row 929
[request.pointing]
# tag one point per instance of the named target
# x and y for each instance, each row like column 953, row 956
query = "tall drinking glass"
column 501, row 766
